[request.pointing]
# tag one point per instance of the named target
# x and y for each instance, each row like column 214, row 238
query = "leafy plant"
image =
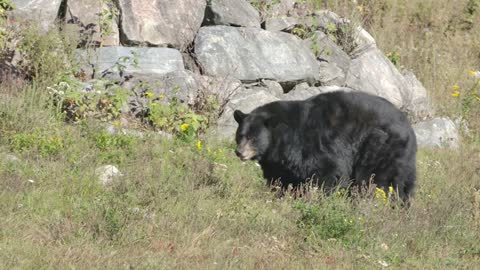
column 46, row 57
column 172, row 116
column 332, row 217
column 105, row 19
column 115, row 148
column 5, row 5
column 75, row 104
column 40, row 140
column 394, row 57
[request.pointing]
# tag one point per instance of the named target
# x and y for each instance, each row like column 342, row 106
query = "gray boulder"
column 107, row 174
column 231, row 12
column 172, row 23
column 373, row 73
column 150, row 61
column 331, row 74
column 362, row 40
column 86, row 15
column 273, row 87
column 250, row 54
column 280, row 23
column 246, row 101
column 303, row 93
column 281, row 8
column 43, row 11
column 328, row 51
column 437, row 132
column 326, row 18
column 415, row 99
column 278, row 8
column 223, row 88
column 268, row 86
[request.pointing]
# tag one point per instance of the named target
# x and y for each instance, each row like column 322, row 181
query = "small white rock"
column 11, row 158
column 107, row 173
column 383, row 263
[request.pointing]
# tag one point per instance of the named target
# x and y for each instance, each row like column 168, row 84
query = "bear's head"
column 254, row 134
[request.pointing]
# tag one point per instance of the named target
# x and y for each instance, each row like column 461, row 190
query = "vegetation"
column 190, row 203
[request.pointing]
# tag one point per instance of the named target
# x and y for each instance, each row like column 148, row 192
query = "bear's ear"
column 239, row 116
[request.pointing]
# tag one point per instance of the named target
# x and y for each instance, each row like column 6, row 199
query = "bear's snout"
column 245, row 151
column 237, row 152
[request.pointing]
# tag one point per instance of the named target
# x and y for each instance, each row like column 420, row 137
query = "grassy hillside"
column 187, row 205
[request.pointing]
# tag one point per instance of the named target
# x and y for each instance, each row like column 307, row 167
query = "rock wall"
column 259, row 56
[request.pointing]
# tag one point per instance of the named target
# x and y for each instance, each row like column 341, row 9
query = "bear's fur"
column 336, row 138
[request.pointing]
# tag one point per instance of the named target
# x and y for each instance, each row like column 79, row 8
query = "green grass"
column 178, row 206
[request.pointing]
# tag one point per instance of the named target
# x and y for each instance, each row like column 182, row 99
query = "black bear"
column 331, row 139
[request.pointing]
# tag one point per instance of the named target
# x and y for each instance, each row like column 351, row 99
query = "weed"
column 394, row 57
column 331, row 218
column 115, row 148
column 40, row 140
column 5, row 5
column 175, row 117
column 76, row 104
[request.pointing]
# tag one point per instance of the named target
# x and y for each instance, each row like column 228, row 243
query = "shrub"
column 332, row 217
column 42, row 141
column 76, row 104
column 172, row 116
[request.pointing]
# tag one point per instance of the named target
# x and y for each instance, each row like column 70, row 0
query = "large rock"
column 281, row 8
column 43, row 11
column 327, row 21
column 172, row 23
column 373, row 73
column 150, row 61
column 303, row 93
column 415, row 99
column 326, row 18
column 331, row 74
column 86, row 15
column 246, row 101
column 250, row 54
column 231, row 12
column 329, row 51
column 281, row 23
column 437, row 132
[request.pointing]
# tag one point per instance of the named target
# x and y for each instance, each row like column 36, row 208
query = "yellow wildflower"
column 153, row 104
column 160, row 96
column 455, row 87
column 472, row 72
column 390, row 189
column 455, row 93
column 184, row 126
column 209, row 150
column 148, row 94
column 198, row 144
column 380, row 194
